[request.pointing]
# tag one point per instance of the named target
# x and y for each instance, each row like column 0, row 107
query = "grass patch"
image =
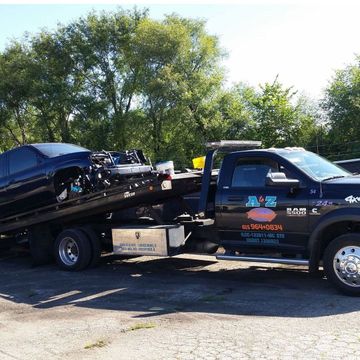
column 140, row 326
column 96, row 344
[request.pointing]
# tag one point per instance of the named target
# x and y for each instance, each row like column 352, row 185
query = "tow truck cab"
column 254, row 213
column 285, row 206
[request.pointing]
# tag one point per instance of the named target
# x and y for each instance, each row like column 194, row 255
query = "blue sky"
column 303, row 43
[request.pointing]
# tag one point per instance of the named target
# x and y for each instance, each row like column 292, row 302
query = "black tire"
column 95, row 245
column 342, row 263
column 72, row 250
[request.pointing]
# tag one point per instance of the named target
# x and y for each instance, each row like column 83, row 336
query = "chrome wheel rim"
column 68, row 251
column 347, row 265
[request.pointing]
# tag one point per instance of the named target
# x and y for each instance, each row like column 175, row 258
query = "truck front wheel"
column 72, row 250
column 342, row 263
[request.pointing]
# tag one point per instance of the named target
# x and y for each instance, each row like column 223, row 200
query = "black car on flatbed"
column 35, row 175
column 272, row 205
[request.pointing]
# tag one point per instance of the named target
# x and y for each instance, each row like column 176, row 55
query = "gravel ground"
column 188, row 307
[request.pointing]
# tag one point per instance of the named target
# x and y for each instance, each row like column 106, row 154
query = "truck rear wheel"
column 95, row 245
column 342, row 263
column 72, row 250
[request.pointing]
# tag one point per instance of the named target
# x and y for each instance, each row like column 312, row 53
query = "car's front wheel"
column 342, row 263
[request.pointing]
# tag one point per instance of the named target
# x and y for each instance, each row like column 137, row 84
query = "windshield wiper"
column 333, row 177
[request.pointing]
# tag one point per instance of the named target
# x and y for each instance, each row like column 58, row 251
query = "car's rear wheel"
column 72, row 250
column 342, row 263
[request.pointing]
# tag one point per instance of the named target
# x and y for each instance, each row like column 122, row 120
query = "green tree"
column 179, row 80
column 342, row 106
column 16, row 112
column 277, row 116
column 121, row 79
column 55, row 87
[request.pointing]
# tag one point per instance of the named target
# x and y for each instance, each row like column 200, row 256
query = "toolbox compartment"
column 158, row 240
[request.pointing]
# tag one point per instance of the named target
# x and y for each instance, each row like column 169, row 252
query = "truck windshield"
column 314, row 165
column 57, row 149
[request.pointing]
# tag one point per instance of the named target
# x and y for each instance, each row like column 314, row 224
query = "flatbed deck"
column 134, row 193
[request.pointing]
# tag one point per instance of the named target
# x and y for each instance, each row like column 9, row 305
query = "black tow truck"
column 286, row 206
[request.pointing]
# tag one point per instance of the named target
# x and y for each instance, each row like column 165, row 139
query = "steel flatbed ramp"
column 145, row 191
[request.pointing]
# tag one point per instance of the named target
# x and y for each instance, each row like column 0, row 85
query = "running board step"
column 262, row 259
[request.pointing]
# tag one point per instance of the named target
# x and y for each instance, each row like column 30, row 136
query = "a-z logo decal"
column 261, row 215
column 268, row 201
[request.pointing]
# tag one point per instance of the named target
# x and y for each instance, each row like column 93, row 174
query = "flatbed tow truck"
column 285, row 206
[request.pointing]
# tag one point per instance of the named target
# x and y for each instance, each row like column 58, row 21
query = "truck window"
column 21, row 159
column 252, row 173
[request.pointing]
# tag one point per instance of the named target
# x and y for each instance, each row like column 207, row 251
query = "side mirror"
column 280, row 179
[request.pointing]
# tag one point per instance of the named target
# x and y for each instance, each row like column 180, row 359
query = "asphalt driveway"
column 187, row 307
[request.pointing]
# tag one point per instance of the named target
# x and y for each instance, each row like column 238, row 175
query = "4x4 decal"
column 255, row 201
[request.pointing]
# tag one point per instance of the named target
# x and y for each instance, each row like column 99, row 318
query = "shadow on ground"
column 150, row 287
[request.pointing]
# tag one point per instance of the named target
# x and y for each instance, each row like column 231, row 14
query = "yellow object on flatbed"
column 199, row 162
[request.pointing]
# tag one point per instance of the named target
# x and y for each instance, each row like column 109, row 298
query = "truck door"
column 254, row 215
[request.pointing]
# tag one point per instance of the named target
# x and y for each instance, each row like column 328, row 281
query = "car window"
column 252, row 172
column 21, row 159
column 57, row 149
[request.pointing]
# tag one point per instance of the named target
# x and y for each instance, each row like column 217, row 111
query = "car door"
column 256, row 215
column 26, row 180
